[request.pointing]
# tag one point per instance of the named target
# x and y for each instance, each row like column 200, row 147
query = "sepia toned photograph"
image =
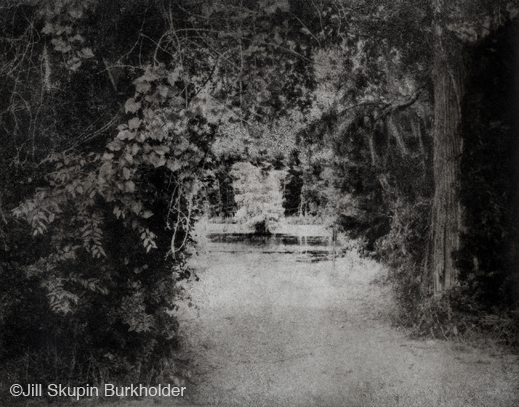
column 259, row 203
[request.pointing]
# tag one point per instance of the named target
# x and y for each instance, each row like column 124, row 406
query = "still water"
column 306, row 248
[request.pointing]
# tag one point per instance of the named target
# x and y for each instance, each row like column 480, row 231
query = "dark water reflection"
column 270, row 240
column 310, row 248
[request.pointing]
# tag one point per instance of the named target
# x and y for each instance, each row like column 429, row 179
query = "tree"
column 371, row 141
column 398, row 124
column 258, row 194
column 456, row 27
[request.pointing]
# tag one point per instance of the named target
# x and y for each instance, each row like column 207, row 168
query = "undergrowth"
column 458, row 314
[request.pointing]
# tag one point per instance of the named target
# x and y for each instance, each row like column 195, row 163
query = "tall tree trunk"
column 449, row 78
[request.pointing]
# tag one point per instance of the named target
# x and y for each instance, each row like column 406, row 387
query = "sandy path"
column 274, row 332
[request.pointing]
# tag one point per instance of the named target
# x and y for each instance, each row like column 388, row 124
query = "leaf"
column 101, row 250
column 125, row 134
column 60, row 45
column 135, row 148
column 512, row 9
column 131, row 106
column 156, row 160
column 48, row 29
column 173, row 76
column 74, row 63
column 76, row 13
column 147, row 214
column 136, row 207
column 60, row 29
column 79, row 38
column 126, row 173
column 117, row 211
column 161, row 149
column 134, row 123
column 129, row 186
column 86, row 53
column 174, row 165
column 163, row 90
column 149, row 76
column 142, row 87
column 115, row 145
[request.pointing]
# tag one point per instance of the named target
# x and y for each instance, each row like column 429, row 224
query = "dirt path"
column 274, row 332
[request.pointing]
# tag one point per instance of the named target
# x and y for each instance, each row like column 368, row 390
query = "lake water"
column 303, row 248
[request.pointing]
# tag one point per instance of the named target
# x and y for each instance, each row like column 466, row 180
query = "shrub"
column 86, row 304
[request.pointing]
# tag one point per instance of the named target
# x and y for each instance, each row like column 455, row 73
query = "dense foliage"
column 375, row 166
column 124, row 121
column 108, row 113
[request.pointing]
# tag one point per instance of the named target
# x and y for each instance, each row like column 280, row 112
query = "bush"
column 91, row 297
column 403, row 250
